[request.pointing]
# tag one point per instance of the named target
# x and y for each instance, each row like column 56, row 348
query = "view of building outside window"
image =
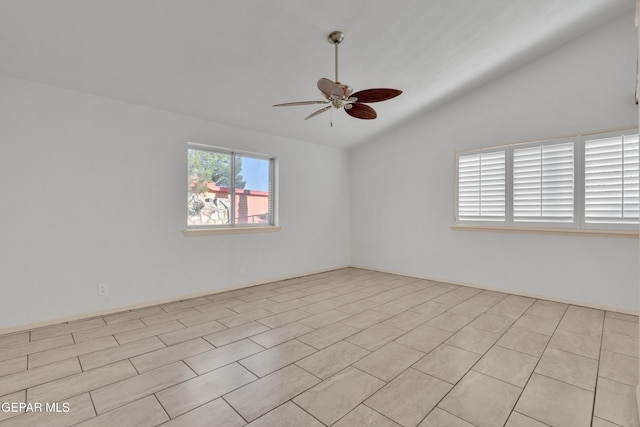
column 228, row 189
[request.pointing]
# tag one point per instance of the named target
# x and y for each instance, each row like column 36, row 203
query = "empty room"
column 303, row 213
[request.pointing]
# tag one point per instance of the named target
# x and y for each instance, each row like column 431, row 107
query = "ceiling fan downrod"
column 335, row 38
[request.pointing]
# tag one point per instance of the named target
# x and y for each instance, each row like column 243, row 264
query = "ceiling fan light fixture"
column 340, row 95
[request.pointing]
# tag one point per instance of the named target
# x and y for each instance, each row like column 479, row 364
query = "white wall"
column 402, row 183
column 93, row 191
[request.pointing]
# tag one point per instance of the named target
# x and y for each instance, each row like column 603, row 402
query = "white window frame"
column 578, row 224
column 231, row 228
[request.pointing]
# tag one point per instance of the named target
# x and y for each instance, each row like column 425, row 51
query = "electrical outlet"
column 103, row 289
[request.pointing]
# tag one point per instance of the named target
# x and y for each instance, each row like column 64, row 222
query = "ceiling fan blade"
column 330, row 88
column 376, row 95
column 288, row 104
column 322, row 110
column 361, row 111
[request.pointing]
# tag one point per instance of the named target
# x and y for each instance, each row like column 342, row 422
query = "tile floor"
column 344, row 348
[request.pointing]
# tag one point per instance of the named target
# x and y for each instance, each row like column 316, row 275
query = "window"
column 481, row 186
column 543, row 183
column 226, row 189
column 584, row 182
column 611, row 180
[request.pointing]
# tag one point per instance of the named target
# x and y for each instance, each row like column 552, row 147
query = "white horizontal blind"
column 611, row 180
column 543, row 183
column 481, row 186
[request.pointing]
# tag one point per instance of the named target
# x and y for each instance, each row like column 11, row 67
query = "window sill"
column 193, row 232
column 627, row 234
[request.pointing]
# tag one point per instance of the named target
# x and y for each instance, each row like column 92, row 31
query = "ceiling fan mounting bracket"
column 335, row 37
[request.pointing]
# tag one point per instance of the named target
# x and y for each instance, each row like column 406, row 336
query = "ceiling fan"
column 339, row 95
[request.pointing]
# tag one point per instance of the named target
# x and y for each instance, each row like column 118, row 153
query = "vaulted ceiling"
column 229, row 61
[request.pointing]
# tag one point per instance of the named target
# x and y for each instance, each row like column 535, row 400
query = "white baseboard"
column 510, row 291
column 114, row 310
column 89, row 315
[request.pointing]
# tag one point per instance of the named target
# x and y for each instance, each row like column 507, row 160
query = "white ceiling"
column 229, row 61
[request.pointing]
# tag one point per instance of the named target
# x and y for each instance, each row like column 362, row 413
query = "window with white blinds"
column 584, row 182
column 481, row 187
column 611, row 180
column 543, row 178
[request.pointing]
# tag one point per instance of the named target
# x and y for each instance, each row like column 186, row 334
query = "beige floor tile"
column 449, row 321
column 217, row 411
column 165, row 317
column 621, row 316
column 375, row 336
column 104, row 331
column 259, row 397
column 507, row 365
column 512, row 306
column 80, row 409
column 583, row 345
column 14, row 340
column 389, row 361
column 213, row 359
column 424, row 338
column 481, row 400
column 132, row 314
column 280, row 335
column 581, row 320
column 284, row 318
column 277, row 357
column 181, row 305
column 486, row 298
column 621, row 327
column 33, row 377
column 365, row 319
column 407, row 321
column 282, row 307
column 616, row 403
column 619, row 367
column 332, row 359
column 548, row 310
column 556, row 403
column 492, row 323
column 11, row 352
column 537, row 324
column 409, row 397
column 447, row 363
column 145, row 412
column 15, row 398
column 364, row 416
column 456, row 296
column 197, row 331
column 287, row 415
column 124, row 392
column 395, row 307
column 249, row 307
column 472, row 339
column 518, row 420
column 62, row 353
column 440, row 418
column 328, row 335
column 324, row 318
column 622, row 344
column 335, row 397
column 431, row 308
column 469, row 309
column 568, row 367
column 319, row 309
column 12, row 366
column 167, row 355
column 599, row 422
column 207, row 317
column 74, row 385
column 66, row 328
column 235, row 334
column 121, row 352
column 190, row 394
column 149, row 331
column 240, row 319
column 524, row 341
